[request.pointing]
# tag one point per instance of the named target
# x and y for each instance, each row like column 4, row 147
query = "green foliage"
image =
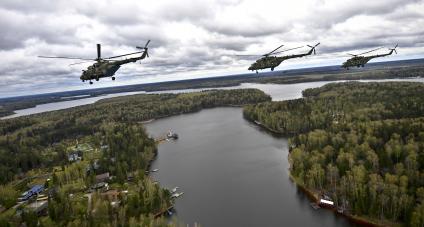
column 43, row 140
column 8, row 196
column 361, row 143
column 24, row 140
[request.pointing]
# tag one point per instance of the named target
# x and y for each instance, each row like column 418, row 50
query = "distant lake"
column 276, row 91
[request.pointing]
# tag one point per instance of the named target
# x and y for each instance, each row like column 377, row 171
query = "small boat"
column 176, row 195
column 174, row 190
column 155, row 170
column 172, row 135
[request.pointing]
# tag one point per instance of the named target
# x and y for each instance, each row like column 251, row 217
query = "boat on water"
column 174, row 190
column 176, row 195
column 172, row 135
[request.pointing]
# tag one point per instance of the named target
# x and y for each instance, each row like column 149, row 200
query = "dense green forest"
column 35, row 149
column 360, row 143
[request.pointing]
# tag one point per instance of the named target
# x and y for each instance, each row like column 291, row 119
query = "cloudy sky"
column 191, row 39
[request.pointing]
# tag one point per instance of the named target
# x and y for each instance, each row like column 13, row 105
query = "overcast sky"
column 191, row 39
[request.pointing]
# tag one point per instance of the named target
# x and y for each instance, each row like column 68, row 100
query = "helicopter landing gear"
column 113, row 78
column 91, row 82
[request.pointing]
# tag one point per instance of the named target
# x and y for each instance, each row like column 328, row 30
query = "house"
column 75, row 156
column 35, row 190
column 326, row 203
column 103, row 186
column 102, row 177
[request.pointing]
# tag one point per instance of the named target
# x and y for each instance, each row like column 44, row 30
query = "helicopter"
column 105, row 67
column 270, row 61
column 358, row 60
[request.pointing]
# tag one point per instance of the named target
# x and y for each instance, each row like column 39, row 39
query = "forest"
column 360, row 143
column 111, row 136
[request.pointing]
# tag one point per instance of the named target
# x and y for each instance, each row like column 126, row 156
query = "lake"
column 232, row 173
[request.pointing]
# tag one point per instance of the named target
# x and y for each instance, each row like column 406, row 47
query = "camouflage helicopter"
column 105, row 67
column 270, row 61
column 358, row 60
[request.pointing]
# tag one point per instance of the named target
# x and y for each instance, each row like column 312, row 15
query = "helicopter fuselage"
column 358, row 61
column 274, row 61
column 106, row 68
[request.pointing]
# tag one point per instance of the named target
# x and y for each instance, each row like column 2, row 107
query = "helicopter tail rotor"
column 394, row 48
column 313, row 47
column 145, row 48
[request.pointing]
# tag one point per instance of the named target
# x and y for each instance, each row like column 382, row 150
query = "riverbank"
column 361, row 220
column 314, row 196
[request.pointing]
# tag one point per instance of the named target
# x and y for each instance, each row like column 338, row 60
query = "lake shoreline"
column 314, row 197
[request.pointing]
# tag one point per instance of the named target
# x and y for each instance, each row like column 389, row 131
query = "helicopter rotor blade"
column 286, row 50
column 145, row 46
column 247, row 55
column 122, row 55
column 80, row 63
column 70, row 58
column 370, row 51
column 273, row 50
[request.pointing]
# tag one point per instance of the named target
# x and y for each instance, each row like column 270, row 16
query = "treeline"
column 24, row 140
column 360, row 143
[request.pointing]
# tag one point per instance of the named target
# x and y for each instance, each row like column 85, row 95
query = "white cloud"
column 190, row 38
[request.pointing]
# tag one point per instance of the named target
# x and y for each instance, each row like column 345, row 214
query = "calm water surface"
column 232, row 173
